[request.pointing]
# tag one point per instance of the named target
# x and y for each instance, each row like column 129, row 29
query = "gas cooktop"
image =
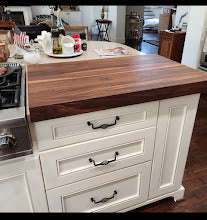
column 10, row 86
column 15, row 138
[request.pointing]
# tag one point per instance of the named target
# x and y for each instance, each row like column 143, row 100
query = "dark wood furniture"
column 7, row 26
column 86, row 86
column 171, row 45
column 135, row 30
column 103, row 27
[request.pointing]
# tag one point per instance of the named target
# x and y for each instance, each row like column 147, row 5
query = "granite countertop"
column 87, row 55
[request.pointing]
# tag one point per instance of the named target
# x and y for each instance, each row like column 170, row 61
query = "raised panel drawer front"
column 83, row 127
column 174, row 129
column 71, row 163
column 109, row 192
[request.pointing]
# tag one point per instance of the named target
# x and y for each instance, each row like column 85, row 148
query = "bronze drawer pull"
column 103, row 126
column 105, row 162
column 104, row 199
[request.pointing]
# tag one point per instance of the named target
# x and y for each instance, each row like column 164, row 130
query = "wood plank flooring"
column 143, row 46
column 195, row 176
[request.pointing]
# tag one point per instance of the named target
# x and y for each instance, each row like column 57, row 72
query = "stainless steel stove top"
column 15, row 114
column 15, row 139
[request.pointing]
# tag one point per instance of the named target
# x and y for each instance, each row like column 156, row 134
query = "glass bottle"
column 57, row 48
column 60, row 23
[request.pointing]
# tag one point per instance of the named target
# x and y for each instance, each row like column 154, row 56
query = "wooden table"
column 87, row 55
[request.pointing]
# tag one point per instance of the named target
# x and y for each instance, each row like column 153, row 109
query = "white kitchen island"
column 111, row 136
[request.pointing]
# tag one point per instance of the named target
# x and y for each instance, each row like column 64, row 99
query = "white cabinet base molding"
column 177, row 195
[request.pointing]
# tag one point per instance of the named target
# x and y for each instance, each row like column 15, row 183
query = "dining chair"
column 70, row 30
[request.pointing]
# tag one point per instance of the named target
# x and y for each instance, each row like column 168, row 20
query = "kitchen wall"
column 157, row 10
column 40, row 10
column 121, row 17
column 26, row 12
column 132, row 8
column 87, row 14
column 181, row 10
column 85, row 17
column 194, row 41
column 71, row 17
column 117, row 15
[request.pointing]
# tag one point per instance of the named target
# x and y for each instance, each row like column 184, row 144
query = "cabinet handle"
column 105, row 162
column 104, row 199
column 103, row 126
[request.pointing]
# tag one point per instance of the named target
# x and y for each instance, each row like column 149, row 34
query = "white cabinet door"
column 21, row 186
column 174, row 129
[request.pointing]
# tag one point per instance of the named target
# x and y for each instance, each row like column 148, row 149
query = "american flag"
column 19, row 37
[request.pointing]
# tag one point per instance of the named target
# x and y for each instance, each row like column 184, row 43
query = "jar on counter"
column 77, row 46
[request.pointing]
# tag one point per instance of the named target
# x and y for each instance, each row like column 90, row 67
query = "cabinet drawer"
column 71, row 163
column 78, row 128
column 110, row 192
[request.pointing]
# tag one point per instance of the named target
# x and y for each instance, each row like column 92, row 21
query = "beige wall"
column 194, row 41
column 181, row 10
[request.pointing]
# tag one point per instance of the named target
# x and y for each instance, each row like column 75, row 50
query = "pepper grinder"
column 83, row 41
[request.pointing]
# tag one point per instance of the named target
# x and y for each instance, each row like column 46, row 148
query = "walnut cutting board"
column 70, row 88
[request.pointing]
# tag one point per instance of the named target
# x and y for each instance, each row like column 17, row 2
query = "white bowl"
column 68, row 44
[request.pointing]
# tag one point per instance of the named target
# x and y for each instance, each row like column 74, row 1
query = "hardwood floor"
column 195, row 176
column 146, row 47
column 143, row 46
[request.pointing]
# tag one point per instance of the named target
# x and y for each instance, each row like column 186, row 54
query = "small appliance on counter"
column 15, row 138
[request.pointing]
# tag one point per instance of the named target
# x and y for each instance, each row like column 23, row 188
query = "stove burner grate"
column 9, row 98
column 12, row 80
column 10, row 85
